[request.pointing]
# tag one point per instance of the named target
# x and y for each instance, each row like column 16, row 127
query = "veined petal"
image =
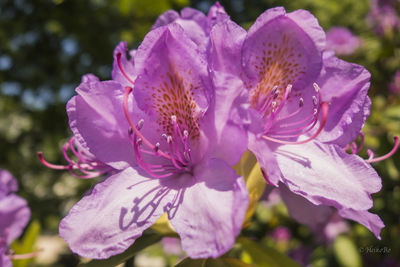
column 172, row 81
column 212, row 210
column 14, row 214
column 316, row 217
column 226, row 41
column 327, row 175
column 194, row 23
column 110, row 217
column 281, row 49
column 230, row 107
column 303, row 210
column 97, row 120
column 345, row 86
column 369, row 220
column 265, row 158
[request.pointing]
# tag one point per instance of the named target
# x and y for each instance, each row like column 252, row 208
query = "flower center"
column 176, row 157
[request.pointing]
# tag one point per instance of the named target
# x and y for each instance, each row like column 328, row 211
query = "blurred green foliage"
column 46, row 46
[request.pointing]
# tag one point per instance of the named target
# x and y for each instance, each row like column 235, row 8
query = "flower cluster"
column 14, row 216
column 182, row 109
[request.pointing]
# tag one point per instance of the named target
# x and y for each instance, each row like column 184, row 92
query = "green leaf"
column 265, row 256
column 141, row 243
column 26, row 245
column 346, row 252
column 220, row 262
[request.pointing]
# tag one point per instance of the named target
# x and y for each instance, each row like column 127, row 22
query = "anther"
column 301, row 102
column 139, row 141
column 130, row 131
column 164, row 136
column 273, row 104
column 169, row 139
column 315, row 111
column 173, row 118
column 140, row 124
column 315, row 101
column 316, row 87
column 157, row 147
column 185, row 133
column 289, row 89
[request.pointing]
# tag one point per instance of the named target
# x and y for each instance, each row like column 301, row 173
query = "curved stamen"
column 128, row 90
column 85, row 164
column 371, row 158
column 121, row 69
column 50, row 165
column 324, row 114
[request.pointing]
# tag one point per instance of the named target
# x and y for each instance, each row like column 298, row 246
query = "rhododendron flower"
column 171, row 141
column 394, row 86
column 14, row 216
column 306, row 105
column 383, row 16
column 342, row 41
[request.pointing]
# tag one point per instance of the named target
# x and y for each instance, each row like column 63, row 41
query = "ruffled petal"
column 110, row 217
column 221, row 124
column 226, row 41
column 216, row 14
column 317, row 217
column 327, row 175
column 14, row 214
column 212, row 210
column 97, row 120
column 194, row 23
column 369, row 220
column 345, row 86
column 266, row 158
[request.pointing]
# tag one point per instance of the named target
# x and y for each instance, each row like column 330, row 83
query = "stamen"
column 121, row 69
column 301, row 102
column 156, row 147
column 50, row 165
column 89, row 167
column 324, row 115
column 128, row 90
column 371, row 158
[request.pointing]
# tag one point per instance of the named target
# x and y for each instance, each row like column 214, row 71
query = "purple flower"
column 383, row 16
column 394, row 86
column 172, row 246
column 281, row 234
column 291, row 84
column 342, row 41
column 14, row 215
column 161, row 124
